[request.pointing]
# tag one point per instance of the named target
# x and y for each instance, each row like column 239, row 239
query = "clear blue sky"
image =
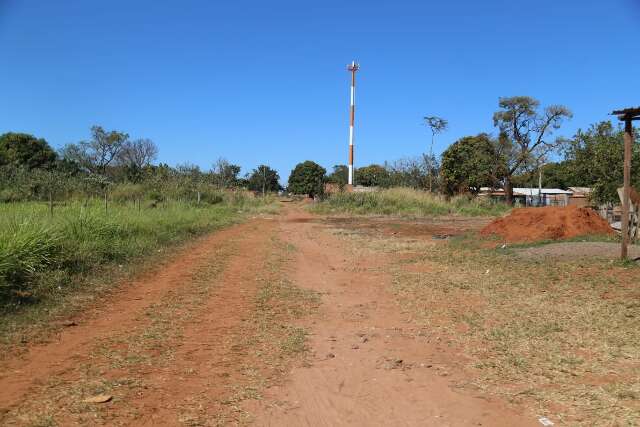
column 265, row 81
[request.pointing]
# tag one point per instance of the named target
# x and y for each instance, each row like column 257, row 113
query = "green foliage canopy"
column 372, row 176
column 307, row 178
column 595, row 158
column 339, row 176
column 470, row 163
column 27, row 151
column 263, row 179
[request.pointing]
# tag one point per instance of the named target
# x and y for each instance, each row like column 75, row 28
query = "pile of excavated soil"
column 548, row 223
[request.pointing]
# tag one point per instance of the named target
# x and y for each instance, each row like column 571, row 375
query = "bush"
column 25, row 249
column 126, row 192
column 406, row 201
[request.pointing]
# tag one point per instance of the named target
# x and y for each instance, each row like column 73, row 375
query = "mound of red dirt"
column 548, row 223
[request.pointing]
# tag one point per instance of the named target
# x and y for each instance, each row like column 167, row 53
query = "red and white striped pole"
column 353, row 67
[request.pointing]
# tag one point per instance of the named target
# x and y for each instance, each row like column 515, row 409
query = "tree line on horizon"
column 516, row 157
column 110, row 161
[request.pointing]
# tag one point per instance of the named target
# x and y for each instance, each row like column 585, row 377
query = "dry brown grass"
column 265, row 345
column 561, row 337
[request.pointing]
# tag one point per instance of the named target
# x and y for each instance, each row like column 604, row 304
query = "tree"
column 437, row 125
column 407, row 172
column 135, row 156
column 524, row 133
column 554, row 175
column 99, row 152
column 263, row 179
column 339, row 176
column 373, row 176
column 470, row 163
column 595, row 157
column 138, row 153
column 225, row 174
column 307, row 178
column 24, row 150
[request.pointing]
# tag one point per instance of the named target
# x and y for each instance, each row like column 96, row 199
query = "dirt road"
column 216, row 336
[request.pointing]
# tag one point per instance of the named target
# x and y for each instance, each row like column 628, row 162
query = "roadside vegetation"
column 408, row 202
column 79, row 219
column 44, row 258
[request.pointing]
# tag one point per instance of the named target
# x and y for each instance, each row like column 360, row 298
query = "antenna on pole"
column 353, row 67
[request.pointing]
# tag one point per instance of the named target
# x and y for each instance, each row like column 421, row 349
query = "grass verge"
column 51, row 266
column 408, row 202
column 560, row 336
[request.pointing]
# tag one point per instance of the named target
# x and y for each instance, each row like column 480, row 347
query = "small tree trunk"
column 51, row 203
column 540, row 187
column 106, row 203
column 198, row 198
column 508, row 190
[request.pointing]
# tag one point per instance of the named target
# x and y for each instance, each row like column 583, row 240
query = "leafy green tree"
column 24, row 150
column 263, row 179
column 372, row 176
column 524, row 134
column 470, row 163
column 554, row 175
column 595, row 158
column 339, row 176
column 307, row 178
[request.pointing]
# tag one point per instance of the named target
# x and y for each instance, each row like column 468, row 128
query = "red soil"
column 549, row 223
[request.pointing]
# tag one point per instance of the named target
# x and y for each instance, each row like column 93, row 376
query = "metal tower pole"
column 353, row 67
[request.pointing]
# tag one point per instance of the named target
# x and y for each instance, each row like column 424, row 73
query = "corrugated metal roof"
column 585, row 190
column 534, row 191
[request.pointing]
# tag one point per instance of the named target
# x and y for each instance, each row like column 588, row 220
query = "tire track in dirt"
column 370, row 365
column 207, row 361
column 129, row 310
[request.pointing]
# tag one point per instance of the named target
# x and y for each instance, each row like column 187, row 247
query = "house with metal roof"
column 532, row 196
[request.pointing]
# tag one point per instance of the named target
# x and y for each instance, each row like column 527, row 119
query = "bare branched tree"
column 138, row 153
column 225, row 173
column 99, row 152
column 524, row 134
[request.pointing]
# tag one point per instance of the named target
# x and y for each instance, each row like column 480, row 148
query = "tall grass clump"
column 26, row 248
column 408, row 202
column 43, row 257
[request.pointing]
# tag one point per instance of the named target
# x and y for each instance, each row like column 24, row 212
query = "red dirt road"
column 171, row 347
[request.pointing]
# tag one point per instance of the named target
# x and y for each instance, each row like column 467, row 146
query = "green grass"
column 43, row 257
column 408, row 202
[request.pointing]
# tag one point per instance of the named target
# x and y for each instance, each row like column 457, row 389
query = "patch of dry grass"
column 562, row 337
column 60, row 402
column 272, row 335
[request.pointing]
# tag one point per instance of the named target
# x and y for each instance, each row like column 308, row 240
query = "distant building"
column 531, row 196
column 580, row 196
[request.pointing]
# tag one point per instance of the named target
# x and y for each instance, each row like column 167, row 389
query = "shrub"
column 25, row 249
column 406, row 201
